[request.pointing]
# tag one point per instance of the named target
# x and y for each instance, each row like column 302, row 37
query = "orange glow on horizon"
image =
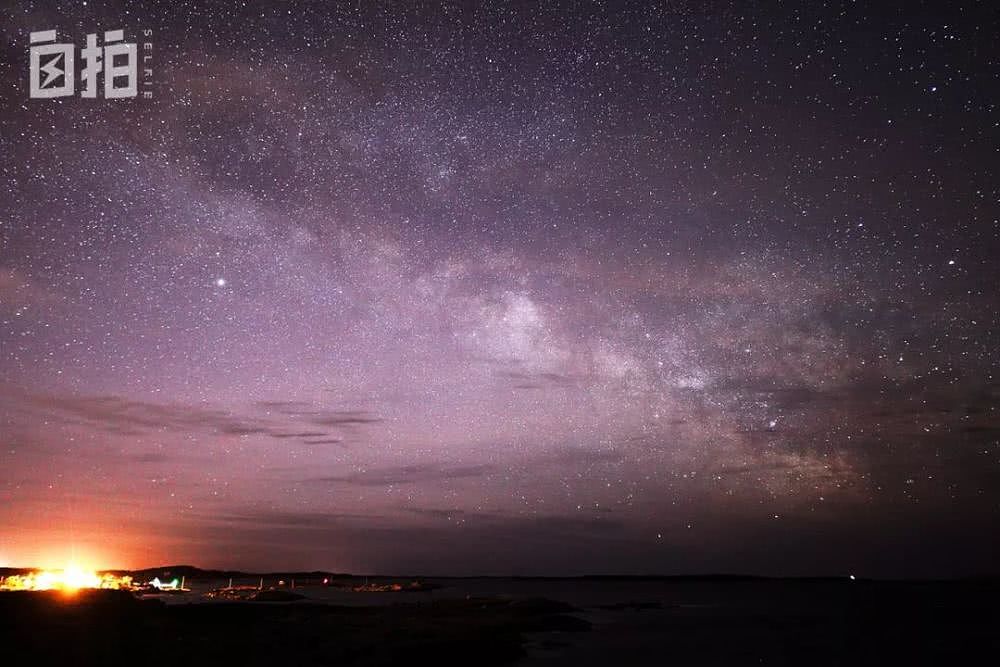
column 88, row 546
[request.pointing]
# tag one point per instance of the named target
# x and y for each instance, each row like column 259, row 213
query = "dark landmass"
column 114, row 628
column 715, row 621
column 196, row 573
column 631, row 605
column 193, row 572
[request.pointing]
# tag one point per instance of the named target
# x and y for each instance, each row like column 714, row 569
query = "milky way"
column 671, row 288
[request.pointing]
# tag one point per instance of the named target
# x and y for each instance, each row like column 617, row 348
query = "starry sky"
column 509, row 288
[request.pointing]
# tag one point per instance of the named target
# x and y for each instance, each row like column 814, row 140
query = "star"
column 554, row 277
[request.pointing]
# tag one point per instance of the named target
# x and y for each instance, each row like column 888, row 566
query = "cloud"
column 341, row 418
column 537, row 380
column 410, row 474
column 129, row 417
column 307, row 520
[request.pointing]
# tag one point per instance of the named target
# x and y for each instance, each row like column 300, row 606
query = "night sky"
column 668, row 288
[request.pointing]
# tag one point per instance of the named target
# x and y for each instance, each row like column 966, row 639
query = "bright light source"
column 68, row 580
